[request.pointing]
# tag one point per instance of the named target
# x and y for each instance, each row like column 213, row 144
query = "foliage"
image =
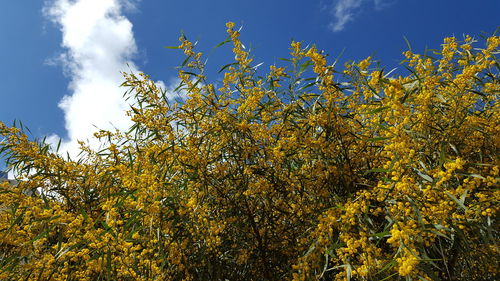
column 352, row 175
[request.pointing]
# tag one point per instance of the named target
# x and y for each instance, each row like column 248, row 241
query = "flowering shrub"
column 344, row 175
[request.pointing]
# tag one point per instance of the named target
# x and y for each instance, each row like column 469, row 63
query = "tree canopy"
column 309, row 172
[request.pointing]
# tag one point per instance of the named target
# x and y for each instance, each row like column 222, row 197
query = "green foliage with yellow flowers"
column 342, row 175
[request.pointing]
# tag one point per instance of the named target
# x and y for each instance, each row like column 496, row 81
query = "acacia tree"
column 340, row 175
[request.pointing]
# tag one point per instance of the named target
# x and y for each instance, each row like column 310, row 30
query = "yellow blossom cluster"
column 298, row 174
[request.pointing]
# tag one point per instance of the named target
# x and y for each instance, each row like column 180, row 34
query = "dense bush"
column 345, row 175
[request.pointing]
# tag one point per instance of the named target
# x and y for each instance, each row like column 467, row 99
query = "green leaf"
column 228, row 39
column 227, row 65
column 311, row 249
column 476, row 176
column 304, row 66
column 387, row 266
column 442, row 154
column 189, row 73
column 407, row 43
column 256, row 66
column 424, row 176
column 381, row 234
column 440, row 234
column 307, row 86
column 185, row 61
column 463, row 196
column 459, row 202
column 172, row 47
column 58, row 145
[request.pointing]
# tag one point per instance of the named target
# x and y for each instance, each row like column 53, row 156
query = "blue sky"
column 60, row 59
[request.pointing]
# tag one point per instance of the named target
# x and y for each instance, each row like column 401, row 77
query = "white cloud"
column 382, row 4
column 344, row 11
column 99, row 43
